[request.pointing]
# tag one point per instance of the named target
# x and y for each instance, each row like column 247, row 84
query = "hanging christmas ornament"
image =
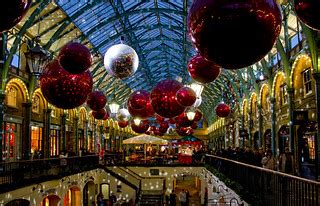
column 140, row 128
column 138, row 99
column 121, row 61
column 197, row 116
column 75, row 57
column 194, row 125
column 159, row 118
column 142, row 113
column 63, row 89
column 183, row 121
column 12, row 13
column 212, row 26
column 202, row 70
column 186, row 96
column 123, row 115
column 163, row 98
column 223, row 110
column 308, row 12
column 184, row 131
column 100, row 114
column 123, row 124
column 96, row 100
column 172, row 121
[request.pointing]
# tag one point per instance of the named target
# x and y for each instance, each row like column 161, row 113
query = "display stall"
column 188, row 145
column 147, row 141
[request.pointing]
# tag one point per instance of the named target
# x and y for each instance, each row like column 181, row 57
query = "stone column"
column 26, row 133
column 273, row 125
column 46, row 132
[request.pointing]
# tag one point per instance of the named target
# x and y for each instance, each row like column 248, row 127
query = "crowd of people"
column 260, row 157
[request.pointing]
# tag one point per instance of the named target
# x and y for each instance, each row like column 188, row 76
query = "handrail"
column 266, row 187
column 266, row 170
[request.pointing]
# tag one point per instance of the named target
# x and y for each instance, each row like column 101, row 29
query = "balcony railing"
column 271, row 187
column 22, row 173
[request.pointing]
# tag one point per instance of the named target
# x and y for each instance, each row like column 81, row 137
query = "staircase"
column 151, row 198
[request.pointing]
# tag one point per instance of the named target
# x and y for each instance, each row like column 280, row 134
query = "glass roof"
column 157, row 30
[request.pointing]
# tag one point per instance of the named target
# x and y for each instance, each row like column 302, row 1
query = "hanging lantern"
column 202, row 70
column 12, row 13
column 163, row 98
column 114, row 107
column 63, row 89
column 121, row 61
column 97, row 100
column 308, row 12
column 223, row 110
column 212, row 25
column 75, row 57
column 186, row 96
column 37, row 58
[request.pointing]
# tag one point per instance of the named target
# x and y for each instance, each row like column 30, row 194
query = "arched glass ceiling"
column 157, row 30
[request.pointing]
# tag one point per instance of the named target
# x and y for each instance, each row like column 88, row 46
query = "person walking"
column 187, row 197
column 183, row 198
column 172, row 198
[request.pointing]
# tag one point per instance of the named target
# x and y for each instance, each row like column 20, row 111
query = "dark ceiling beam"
column 129, row 13
column 146, row 27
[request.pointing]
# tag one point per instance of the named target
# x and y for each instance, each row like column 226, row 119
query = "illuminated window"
column 36, row 105
column 283, row 94
column 12, row 97
column 36, row 139
column 53, row 113
column 307, row 81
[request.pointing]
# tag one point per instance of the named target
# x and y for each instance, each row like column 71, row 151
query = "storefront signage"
column 300, row 117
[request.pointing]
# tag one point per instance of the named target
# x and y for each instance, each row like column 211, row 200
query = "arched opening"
column 256, row 140
column 267, row 139
column 72, row 197
column 51, row 200
column 306, row 149
column 283, row 135
column 18, row 202
column 188, row 183
column 89, row 194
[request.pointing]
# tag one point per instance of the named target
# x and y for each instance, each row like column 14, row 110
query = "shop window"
column 283, row 94
column 36, row 140
column 36, row 105
column 8, row 142
column 12, row 97
column 307, row 81
column 54, row 142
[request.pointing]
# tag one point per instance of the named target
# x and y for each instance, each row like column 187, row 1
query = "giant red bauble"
column 75, row 57
column 12, row 13
column 163, row 98
column 63, row 89
column 234, row 34
column 197, row 116
column 202, row 70
column 186, row 96
column 141, row 128
column 142, row 113
column 123, row 124
column 308, row 12
column 138, row 99
column 183, row 121
column 99, row 114
column 97, row 100
column 223, row 110
column 184, row 131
